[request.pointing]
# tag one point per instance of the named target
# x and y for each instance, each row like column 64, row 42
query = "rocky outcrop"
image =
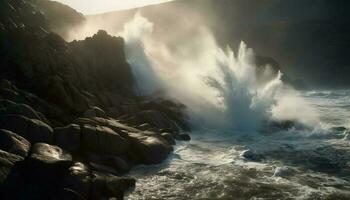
column 95, row 112
column 7, row 162
column 68, row 137
column 31, row 129
column 90, row 153
column 13, row 143
column 70, row 123
column 103, row 140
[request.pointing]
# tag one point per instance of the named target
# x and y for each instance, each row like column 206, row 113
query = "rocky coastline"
column 71, row 126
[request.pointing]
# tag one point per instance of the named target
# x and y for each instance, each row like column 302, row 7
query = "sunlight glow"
column 101, row 6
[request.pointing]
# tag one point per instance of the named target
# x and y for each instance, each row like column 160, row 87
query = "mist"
column 219, row 88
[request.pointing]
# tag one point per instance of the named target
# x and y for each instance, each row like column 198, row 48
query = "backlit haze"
column 101, row 6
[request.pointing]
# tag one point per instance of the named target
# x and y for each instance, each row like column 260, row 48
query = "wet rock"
column 49, row 153
column 47, row 164
column 275, row 126
column 13, row 143
column 283, row 172
column 156, row 119
column 32, row 130
column 116, row 186
column 169, row 138
column 95, row 112
column 119, row 164
column 339, row 129
column 111, row 186
column 68, row 137
column 6, row 84
column 20, row 109
column 6, row 103
column 83, row 121
column 183, row 137
column 103, row 140
column 7, row 162
column 115, row 162
column 116, row 126
column 144, row 127
column 65, row 94
column 77, row 179
column 11, row 95
column 67, row 194
column 252, row 156
column 105, row 169
column 149, row 149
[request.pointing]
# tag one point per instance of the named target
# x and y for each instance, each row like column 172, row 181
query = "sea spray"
column 136, row 35
column 221, row 90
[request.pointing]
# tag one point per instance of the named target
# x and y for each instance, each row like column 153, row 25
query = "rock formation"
column 70, row 123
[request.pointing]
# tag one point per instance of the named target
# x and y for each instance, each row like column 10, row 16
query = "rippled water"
column 298, row 164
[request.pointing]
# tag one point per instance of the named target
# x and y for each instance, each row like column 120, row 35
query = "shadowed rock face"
column 13, row 143
column 69, row 121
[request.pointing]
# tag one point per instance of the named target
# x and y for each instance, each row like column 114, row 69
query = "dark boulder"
column 156, row 119
column 120, row 165
column 183, row 137
column 77, row 179
column 7, row 162
column 68, row 137
column 149, row 149
column 103, row 140
column 47, row 164
column 110, row 186
column 252, row 156
column 32, row 130
column 49, row 153
column 169, row 138
column 20, row 109
column 13, row 143
column 66, row 194
column 95, row 112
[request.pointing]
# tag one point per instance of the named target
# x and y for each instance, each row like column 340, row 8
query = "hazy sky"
column 100, row 6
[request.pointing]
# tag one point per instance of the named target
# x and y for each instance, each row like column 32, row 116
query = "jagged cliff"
column 70, row 123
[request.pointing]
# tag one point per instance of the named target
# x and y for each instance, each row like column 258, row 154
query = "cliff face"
column 73, row 76
column 70, row 123
column 67, row 74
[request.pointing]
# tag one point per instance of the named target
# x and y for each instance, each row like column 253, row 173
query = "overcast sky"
column 100, row 6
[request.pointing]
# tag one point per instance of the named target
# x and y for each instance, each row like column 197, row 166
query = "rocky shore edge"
column 83, row 160
column 71, row 125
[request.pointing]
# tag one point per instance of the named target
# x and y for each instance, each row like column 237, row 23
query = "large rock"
column 49, row 153
column 7, row 162
column 77, row 179
column 21, row 109
column 110, row 186
column 13, row 143
column 47, row 163
column 103, row 140
column 68, row 137
column 156, row 119
column 32, row 130
column 65, row 94
column 95, row 112
column 149, row 149
column 115, row 162
column 146, row 147
column 183, row 137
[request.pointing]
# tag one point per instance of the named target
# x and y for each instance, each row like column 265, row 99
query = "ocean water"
column 306, row 163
